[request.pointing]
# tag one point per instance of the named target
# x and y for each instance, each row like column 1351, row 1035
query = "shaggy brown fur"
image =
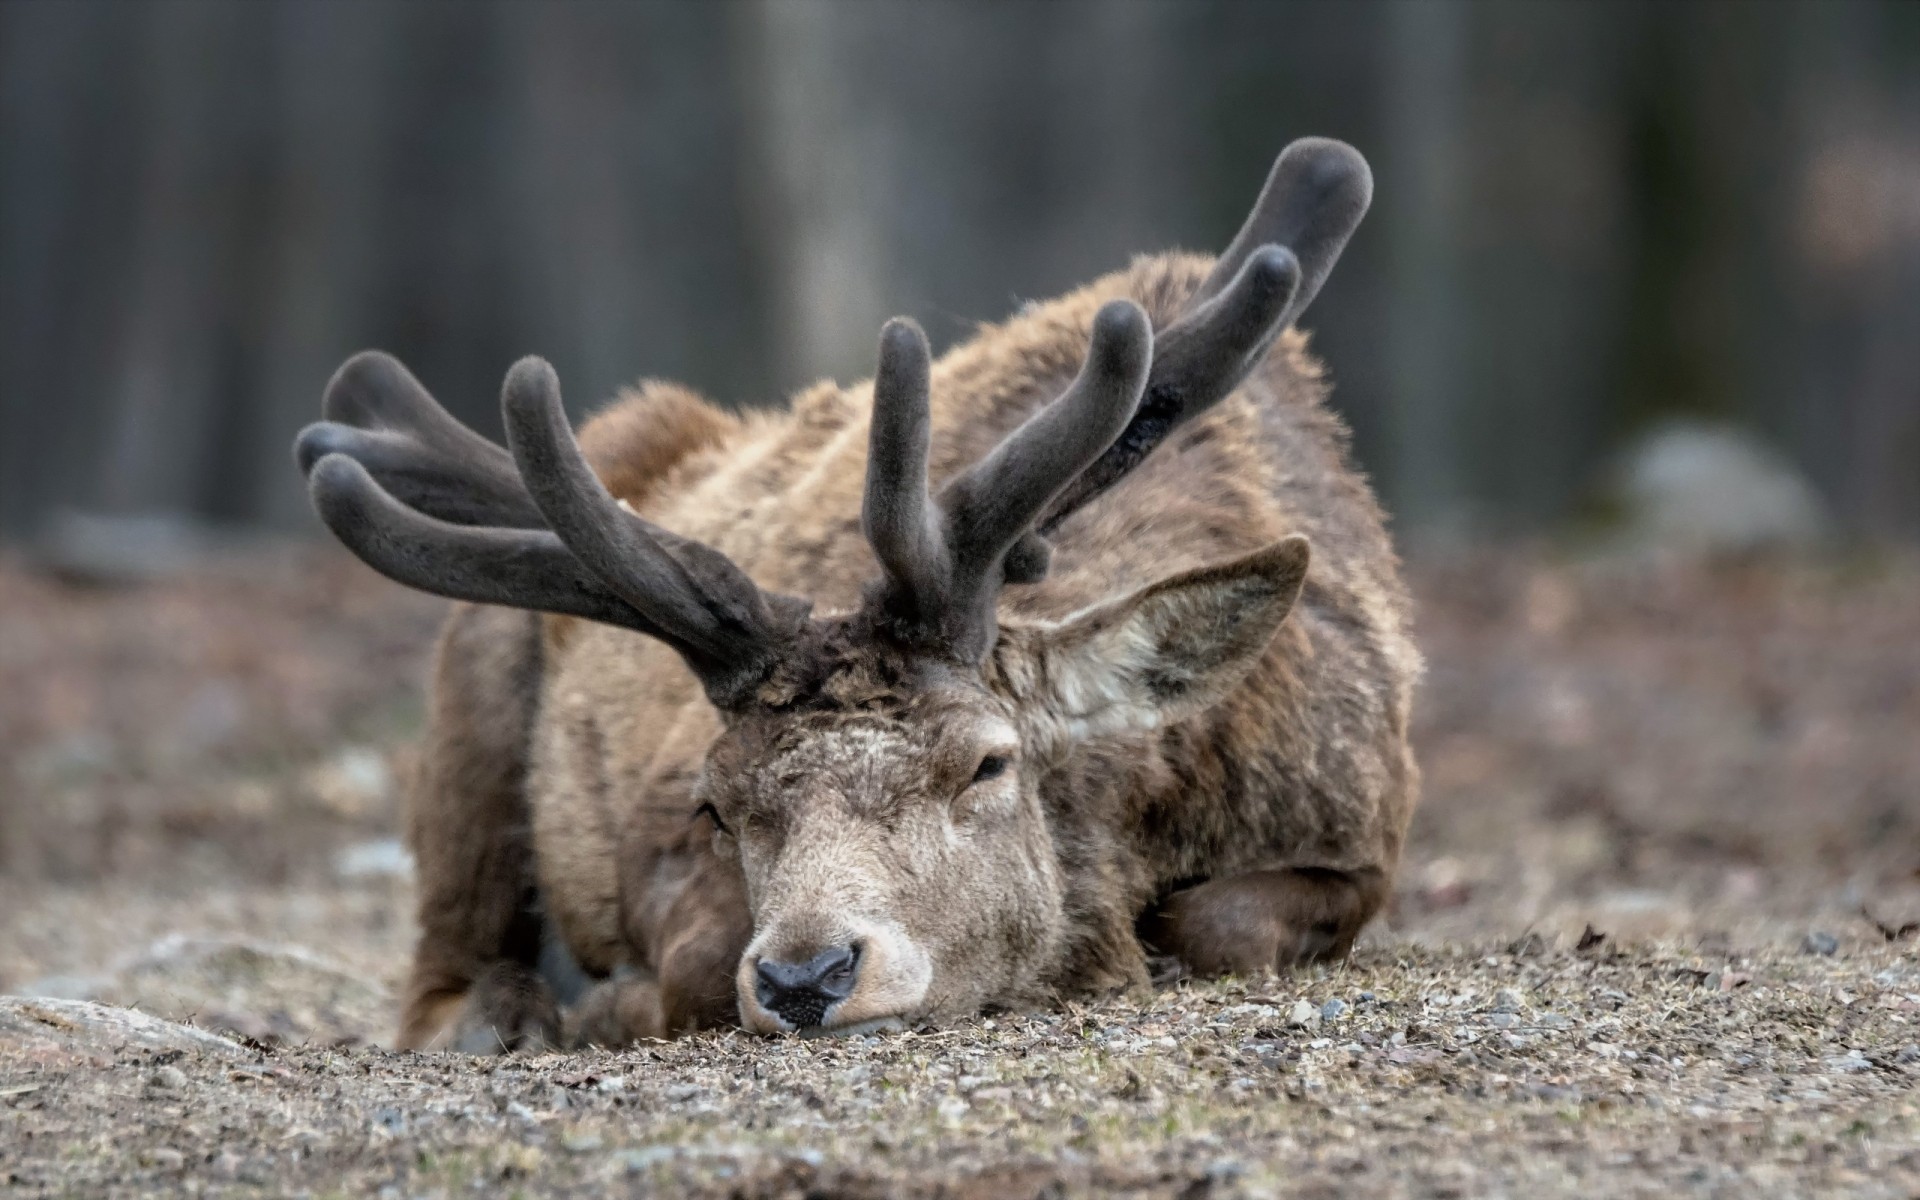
column 983, row 769
column 1291, row 795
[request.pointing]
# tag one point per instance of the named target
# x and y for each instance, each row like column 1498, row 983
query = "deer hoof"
column 508, row 1008
column 616, row 1012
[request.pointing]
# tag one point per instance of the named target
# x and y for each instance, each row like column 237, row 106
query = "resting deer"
column 965, row 689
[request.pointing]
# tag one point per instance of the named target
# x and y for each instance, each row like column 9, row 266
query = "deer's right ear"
column 1164, row 652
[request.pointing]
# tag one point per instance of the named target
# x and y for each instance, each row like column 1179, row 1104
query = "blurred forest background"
column 1590, row 216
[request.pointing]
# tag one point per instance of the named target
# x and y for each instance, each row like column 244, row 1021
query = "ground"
column 1653, row 934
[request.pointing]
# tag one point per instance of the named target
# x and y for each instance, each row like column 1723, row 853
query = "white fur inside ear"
column 1172, row 648
column 1096, row 689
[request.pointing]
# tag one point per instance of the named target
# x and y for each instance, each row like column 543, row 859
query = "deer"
column 983, row 685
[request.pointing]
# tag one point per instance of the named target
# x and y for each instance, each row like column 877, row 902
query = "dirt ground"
column 1655, row 932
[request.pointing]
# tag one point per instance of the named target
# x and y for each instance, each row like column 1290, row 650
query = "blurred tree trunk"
column 331, row 94
column 1423, row 206
column 65, row 75
column 161, row 436
column 818, row 150
column 1855, row 236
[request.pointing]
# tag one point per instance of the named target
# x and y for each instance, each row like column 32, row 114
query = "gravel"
column 1653, row 1082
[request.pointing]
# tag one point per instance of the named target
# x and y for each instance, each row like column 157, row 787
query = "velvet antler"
column 943, row 557
column 431, row 504
column 1313, row 200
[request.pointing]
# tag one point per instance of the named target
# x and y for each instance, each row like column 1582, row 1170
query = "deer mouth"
column 857, row 1029
column 869, row 979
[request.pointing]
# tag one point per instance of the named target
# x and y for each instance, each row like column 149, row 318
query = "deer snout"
column 800, row 993
column 863, row 975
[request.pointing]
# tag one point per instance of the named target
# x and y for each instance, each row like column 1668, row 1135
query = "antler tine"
column 896, row 513
column 943, row 560
column 996, row 500
column 1314, row 198
column 380, row 415
column 522, row 568
column 459, row 492
column 1197, row 361
column 706, row 605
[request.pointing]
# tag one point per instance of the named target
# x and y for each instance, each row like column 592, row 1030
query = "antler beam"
column 943, row 557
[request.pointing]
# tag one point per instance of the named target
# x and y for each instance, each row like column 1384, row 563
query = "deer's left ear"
column 1163, row 652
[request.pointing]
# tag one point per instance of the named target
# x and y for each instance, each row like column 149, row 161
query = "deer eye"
column 993, row 766
column 708, row 811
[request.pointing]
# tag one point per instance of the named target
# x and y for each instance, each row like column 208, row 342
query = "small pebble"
column 635, row 1162
column 1821, row 942
column 1909, row 1054
column 581, row 1143
column 1504, row 1020
column 165, row 1158
column 168, row 1078
column 1506, row 1000
column 1303, row 1015
column 1333, row 1009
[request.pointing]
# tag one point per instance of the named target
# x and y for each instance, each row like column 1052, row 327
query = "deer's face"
column 886, row 808
column 898, row 862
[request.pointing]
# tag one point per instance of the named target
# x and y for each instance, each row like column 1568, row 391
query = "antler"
column 429, row 502
column 379, row 415
column 1313, row 200
column 553, row 538
column 943, row 557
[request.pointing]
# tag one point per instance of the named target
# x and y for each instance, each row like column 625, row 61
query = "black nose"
column 801, row 993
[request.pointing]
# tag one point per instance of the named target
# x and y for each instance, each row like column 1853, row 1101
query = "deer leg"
column 699, row 936
column 509, row 1007
column 1264, row 920
column 474, row 978
column 622, row 1008
column 708, row 929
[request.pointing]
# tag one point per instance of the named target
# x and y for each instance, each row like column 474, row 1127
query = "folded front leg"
column 698, row 935
column 508, row 1008
column 616, row 1011
column 1264, row 920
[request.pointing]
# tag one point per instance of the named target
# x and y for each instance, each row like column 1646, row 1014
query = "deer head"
column 877, row 774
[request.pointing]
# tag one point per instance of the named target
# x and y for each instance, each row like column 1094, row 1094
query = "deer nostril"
column 801, row 993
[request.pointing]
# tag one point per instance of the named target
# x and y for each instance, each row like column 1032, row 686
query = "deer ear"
column 1164, row 652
